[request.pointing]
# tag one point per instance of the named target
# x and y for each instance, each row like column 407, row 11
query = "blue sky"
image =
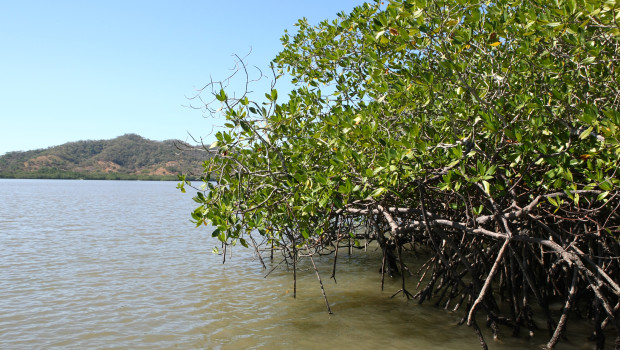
column 90, row 70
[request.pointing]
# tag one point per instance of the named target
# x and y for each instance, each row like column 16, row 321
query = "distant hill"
column 130, row 157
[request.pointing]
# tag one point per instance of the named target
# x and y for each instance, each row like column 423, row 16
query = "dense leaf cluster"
column 485, row 132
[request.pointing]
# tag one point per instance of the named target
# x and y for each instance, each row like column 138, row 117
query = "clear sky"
column 88, row 70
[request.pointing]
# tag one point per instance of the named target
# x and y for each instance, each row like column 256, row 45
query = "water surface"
column 118, row 265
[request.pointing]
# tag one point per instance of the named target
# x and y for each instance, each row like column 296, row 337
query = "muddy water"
column 118, row 265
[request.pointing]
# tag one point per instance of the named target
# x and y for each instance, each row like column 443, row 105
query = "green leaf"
column 602, row 195
column 487, row 187
column 605, row 186
column 221, row 96
column 586, row 133
column 215, row 232
column 377, row 192
column 552, row 201
column 588, row 60
column 452, row 164
column 576, row 199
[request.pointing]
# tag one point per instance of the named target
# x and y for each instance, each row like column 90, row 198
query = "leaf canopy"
column 428, row 119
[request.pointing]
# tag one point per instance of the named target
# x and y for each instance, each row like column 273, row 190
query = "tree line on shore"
column 128, row 157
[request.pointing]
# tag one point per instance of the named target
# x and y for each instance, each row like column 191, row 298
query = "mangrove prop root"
column 318, row 276
column 519, row 260
column 525, row 257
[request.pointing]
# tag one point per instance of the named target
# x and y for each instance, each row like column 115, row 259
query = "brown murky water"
column 118, row 265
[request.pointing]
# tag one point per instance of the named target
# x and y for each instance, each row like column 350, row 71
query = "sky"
column 92, row 70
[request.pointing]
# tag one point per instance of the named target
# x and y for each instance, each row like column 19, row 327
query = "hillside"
column 130, row 157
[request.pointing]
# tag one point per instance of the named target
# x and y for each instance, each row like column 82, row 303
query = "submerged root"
column 507, row 266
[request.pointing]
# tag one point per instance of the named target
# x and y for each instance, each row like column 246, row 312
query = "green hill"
column 127, row 157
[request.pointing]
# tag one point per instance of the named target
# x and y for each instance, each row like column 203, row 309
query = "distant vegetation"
column 128, row 157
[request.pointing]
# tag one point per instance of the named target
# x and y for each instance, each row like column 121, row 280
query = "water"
column 118, row 265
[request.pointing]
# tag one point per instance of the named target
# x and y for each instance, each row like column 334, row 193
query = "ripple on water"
column 117, row 265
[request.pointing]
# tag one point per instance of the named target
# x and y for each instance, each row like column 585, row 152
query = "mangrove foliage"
column 484, row 134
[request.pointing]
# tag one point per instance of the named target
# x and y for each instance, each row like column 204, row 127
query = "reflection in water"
column 118, row 265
